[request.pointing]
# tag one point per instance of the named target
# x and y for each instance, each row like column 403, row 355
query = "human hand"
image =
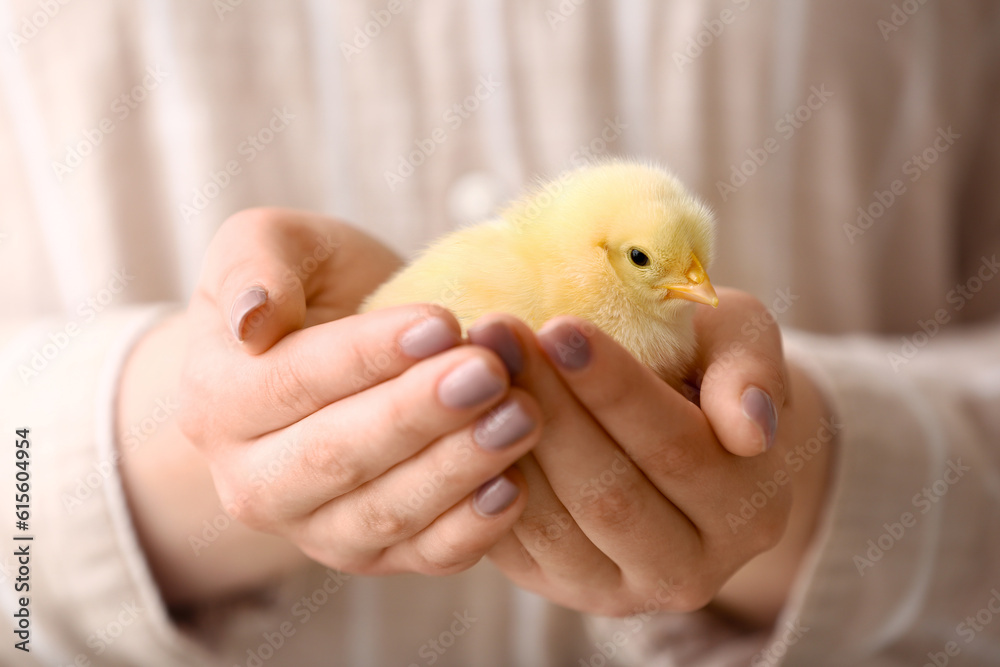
column 363, row 439
column 632, row 486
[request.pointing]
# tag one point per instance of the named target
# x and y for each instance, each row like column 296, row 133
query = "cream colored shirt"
column 850, row 149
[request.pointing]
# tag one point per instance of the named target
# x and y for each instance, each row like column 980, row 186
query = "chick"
column 620, row 243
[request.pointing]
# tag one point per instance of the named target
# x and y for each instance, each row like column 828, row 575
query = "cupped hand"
column 635, row 491
column 376, row 443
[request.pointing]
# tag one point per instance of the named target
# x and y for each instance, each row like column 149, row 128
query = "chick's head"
column 654, row 238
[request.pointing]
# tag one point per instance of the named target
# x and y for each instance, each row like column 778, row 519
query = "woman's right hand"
column 376, row 443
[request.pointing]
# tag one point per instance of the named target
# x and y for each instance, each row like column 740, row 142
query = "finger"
column 266, row 265
column 313, row 367
column 668, row 438
column 428, row 481
column 409, row 497
column 461, row 536
column 553, row 547
column 743, row 386
column 590, row 475
column 354, row 441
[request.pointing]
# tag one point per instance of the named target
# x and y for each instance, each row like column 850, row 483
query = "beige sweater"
column 850, row 148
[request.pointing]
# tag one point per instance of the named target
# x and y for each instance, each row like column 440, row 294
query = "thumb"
column 744, row 382
column 252, row 273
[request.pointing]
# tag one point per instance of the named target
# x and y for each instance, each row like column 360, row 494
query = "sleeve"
column 906, row 564
column 89, row 595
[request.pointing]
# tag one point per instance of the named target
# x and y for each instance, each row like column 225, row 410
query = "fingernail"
column 759, row 408
column 248, row 301
column 503, row 426
column 498, row 337
column 565, row 345
column 427, row 337
column 469, row 384
column 495, row 496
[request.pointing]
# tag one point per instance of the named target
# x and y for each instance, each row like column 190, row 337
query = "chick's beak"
column 698, row 288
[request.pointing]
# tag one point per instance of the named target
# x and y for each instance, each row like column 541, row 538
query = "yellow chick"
column 621, row 243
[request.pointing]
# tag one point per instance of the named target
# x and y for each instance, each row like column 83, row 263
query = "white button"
column 474, row 197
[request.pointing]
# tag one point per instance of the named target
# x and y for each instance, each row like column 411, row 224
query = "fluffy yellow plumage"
column 621, row 244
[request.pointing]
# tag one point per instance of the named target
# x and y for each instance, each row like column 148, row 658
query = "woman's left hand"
column 637, row 494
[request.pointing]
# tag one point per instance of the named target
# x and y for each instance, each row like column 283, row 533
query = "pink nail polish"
column 248, row 301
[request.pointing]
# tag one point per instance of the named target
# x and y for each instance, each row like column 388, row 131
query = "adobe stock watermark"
column 101, row 639
column 225, row 7
column 957, row 298
column 632, row 625
column 582, row 156
column 258, row 481
column 898, row 17
column 364, row 34
column 562, row 12
column 752, row 330
column 302, row 610
column 246, row 152
column 435, row 647
column 377, row 362
column 791, row 634
column 711, row 29
column 60, row 339
column 794, row 462
column 967, row 631
column 923, row 502
column 436, row 479
column 913, row 169
column 590, row 492
column 34, row 23
column 453, row 117
column 786, row 127
column 163, row 411
column 120, row 109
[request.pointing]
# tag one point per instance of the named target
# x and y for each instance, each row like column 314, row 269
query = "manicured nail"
column 495, row 496
column 427, row 337
column 503, row 426
column 469, row 384
column 565, row 345
column 498, row 337
column 759, row 408
column 248, row 301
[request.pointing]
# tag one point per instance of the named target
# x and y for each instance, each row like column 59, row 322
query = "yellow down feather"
column 569, row 247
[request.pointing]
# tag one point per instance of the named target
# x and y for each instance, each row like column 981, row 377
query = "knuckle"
column 445, row 558
column 676, row 459
column 382, row 525
column 617, row 505
column 240, row 505
column 284, row 388
column 405, row 418
column 540, row 532
column 773, row 373
column 773, row 370
column 341, row 473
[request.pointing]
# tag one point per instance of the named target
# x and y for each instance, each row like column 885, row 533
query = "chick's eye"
column 638, row 257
